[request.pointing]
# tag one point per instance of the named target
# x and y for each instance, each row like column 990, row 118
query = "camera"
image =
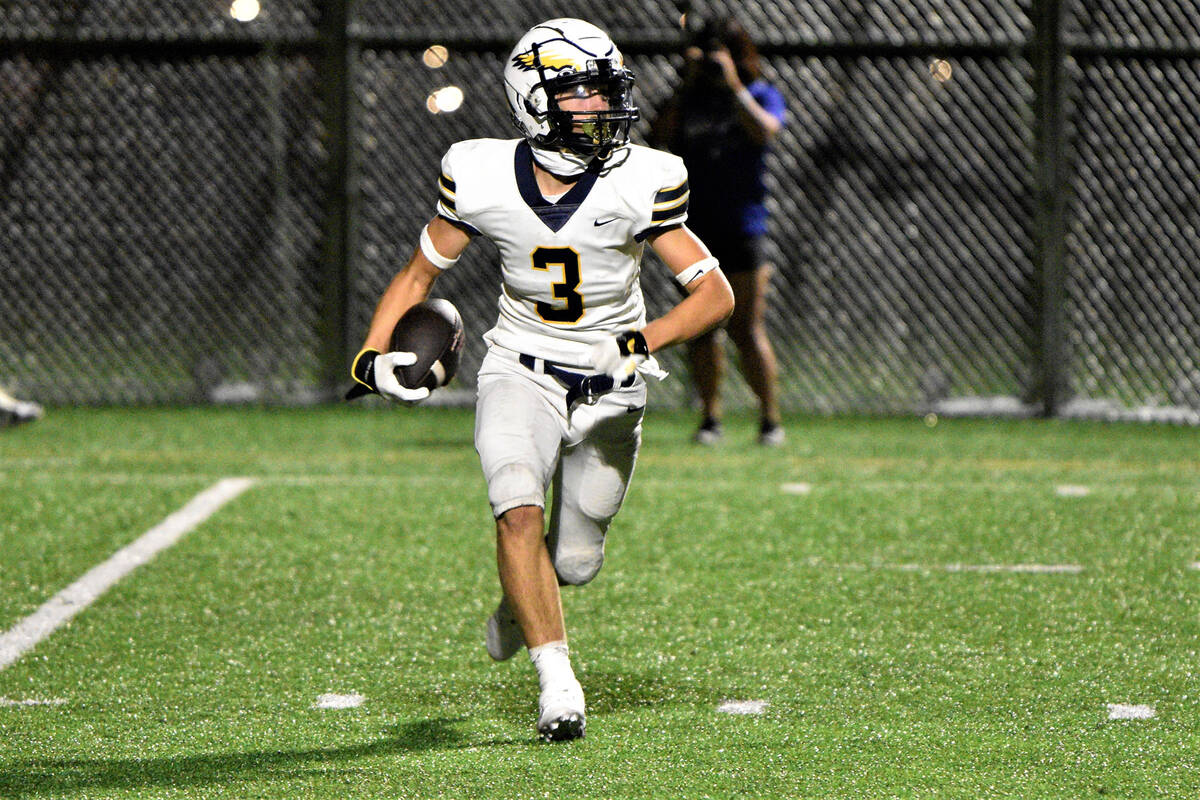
column 705, row 34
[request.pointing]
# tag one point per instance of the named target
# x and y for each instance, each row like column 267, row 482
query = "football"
column 433, row 330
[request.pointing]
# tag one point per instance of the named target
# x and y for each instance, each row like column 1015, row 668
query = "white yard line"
column 1130, row 711
column 99, row 579
column 1042, row 569
column 53, row 473
column 1034, row 569
column 749, row 707
column 31, row 701
column 296, row 479
column 353, row 700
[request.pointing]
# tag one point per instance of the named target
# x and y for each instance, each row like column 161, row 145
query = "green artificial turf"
column 858, row 584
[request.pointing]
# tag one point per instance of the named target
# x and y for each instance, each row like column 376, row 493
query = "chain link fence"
column 195, row 208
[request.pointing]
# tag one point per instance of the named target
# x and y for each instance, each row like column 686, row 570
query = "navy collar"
column 554, row 215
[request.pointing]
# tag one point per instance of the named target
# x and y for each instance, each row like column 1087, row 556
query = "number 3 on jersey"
column 546, row 257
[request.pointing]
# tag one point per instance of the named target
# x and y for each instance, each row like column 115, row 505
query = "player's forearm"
column 410, row 286
column 709, row 304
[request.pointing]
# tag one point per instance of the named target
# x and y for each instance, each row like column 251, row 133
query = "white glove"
column 620, row 356
column 386, row 382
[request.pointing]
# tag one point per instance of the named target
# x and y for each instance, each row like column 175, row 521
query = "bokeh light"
column 435, row 56
column 244, row 10
column 444, row 100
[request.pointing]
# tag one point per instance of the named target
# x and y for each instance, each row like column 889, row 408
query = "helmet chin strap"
column 566, row 164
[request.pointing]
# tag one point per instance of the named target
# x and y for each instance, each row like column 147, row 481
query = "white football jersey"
column 570, row 268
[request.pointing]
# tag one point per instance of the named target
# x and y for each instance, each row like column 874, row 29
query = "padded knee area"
column 577, row 567
column 515, row 485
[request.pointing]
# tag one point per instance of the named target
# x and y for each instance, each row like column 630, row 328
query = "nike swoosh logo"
column 600, row 222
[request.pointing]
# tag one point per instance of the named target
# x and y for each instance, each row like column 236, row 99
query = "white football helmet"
column 562, row 56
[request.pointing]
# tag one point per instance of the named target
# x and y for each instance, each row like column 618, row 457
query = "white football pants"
column 526, row 441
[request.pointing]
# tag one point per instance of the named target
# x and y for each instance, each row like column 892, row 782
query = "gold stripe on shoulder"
column 667, row 205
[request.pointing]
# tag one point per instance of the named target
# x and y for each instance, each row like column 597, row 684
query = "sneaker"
column 15, row 412
column 504, row 637
column 771, row 435
column 709, row 433
column 561, row 714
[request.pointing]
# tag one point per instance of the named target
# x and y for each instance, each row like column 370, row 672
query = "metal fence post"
column 1050, row 182
column 339, row 57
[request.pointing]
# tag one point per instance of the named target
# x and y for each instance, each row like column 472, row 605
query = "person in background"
column 721, row 120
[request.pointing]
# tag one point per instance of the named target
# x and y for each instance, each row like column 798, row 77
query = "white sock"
column 553, row 663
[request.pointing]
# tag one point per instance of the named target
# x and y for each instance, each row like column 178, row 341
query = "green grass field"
column 874, row 586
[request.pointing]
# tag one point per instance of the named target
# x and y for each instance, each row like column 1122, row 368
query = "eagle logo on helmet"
column 529, row 62
column 556, row 54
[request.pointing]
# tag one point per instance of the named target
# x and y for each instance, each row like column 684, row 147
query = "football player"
column 561, row 392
